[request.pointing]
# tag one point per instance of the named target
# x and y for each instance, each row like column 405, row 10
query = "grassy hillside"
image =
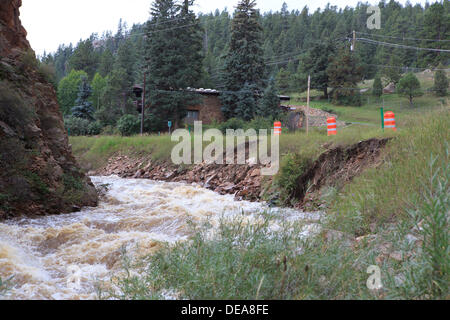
column 394, row 217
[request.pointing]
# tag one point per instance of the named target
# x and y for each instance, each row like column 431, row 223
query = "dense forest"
column 178, row 49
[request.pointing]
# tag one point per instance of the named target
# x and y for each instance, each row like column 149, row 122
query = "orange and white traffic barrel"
column 332, row 126
column 389, row 121
column 277, row 128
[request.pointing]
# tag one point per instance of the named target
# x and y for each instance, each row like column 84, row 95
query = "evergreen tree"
column 112, row 99
column 315, row 64
column 377, row 89
column 409, row 86
column 283, row 80
column 85, row 58
column 83, row 107
column 125, row 61
column 437, row 27
column 392, row 72
column 168, row 55
column 344, row 75
column 247, row 103
column 61, row 58
column 270, row 102
column 244, row 62
column 106, row 63
column 440, row 82
column 68, row 89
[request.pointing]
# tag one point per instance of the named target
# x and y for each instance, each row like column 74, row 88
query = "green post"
column 382, row 118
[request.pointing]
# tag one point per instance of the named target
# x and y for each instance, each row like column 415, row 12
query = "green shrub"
column 48, row 72
column 292, row 167
column 233, row 123
column 37, row 184
column 13, row 109
column 261, row 123
column 109, row 130
column 347, row 97
column 128, row 125
column 77, row 126
column 72, row 183
column 28, row 61
column 94, row 128
column 4, row 201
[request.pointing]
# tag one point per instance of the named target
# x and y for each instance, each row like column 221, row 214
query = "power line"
column 401, row 38
column 396, row 45
column 404, row 67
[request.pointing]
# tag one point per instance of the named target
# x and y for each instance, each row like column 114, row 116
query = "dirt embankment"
column 337, row 167
column 333, row 168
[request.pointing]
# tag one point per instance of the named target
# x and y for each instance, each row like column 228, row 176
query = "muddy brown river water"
column 45, row 254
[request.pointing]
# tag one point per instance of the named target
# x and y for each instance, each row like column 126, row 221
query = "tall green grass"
column 386, row 193
column 427, row 276
column 94, row 152
column 246, row 261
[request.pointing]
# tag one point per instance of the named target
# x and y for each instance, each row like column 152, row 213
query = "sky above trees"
column 52, row 22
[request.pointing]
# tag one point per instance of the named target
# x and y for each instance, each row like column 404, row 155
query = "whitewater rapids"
column 43, row 254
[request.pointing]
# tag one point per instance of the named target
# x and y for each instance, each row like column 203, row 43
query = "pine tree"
column 125, row 61
column 270, row 102
column 85, row 58
column 440, row 82
column 83, row 107
column 106, row 63
column 283, row 80
column 344, row 75
column 112, row 98
column 244, row 62
column 409, row 86
column 377, row 89
column 392, row 73
column 247, row 103
column 315, row 64
column 436, row 26
column 173, row 58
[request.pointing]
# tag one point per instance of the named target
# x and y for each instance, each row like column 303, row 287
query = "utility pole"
column 307, row 105
column 143, row 106
column 354, row 41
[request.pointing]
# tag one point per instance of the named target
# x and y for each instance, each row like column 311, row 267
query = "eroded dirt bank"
column 333, row 168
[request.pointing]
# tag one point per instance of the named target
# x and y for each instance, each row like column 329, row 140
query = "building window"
column 192, row 115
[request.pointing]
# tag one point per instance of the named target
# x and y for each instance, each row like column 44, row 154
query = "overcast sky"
column 53, row 22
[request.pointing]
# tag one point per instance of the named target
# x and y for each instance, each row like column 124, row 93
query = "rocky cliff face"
column 38, row 174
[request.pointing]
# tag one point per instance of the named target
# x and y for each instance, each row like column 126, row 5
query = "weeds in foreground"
column 5, row 286
column 248, row 261
column 427, row 275
column 242, row 260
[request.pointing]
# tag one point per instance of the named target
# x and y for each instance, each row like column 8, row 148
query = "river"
column 43, row 254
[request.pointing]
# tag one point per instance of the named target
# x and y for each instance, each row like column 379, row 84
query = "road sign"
column 169, row 123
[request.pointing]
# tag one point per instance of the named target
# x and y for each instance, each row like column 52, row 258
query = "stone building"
column 209, row 110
